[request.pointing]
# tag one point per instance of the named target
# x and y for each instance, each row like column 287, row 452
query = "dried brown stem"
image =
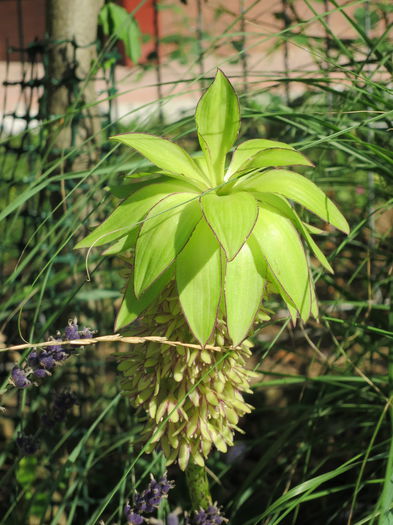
column 114, row 338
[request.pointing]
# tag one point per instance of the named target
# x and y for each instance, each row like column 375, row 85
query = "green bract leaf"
column 163, row 235
column 243, row 291
column 244, row 153
column 123, row 191
column 286, row 209
column 198, row 277
column 298, row 188
column 218, row 119
column 284, row 253
column 314, row 302
column 132, row 307
column 123, row 244
column 165, row 154
column 130, row 212
column 231, row 217
column 274, row 157
column 313, row 229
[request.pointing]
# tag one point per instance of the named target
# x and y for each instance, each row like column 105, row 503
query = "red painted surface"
column 145, row 18
column 33, row 24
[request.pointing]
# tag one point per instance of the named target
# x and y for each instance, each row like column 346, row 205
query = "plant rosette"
column 207, row 241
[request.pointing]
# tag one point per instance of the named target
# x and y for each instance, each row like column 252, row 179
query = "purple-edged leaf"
column 243, row 291
column 283, row 206
column 247, row 150
column 297, row 188
column 231, row 217
column 165, row 154
column 132, row 307
column 273, row 157
column 166, row 229
column 218, row 119
column 123, row 244
column 198, row 277
column 130, row 212
column 284, row 253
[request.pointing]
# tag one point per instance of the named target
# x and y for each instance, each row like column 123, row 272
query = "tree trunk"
column 72, row 32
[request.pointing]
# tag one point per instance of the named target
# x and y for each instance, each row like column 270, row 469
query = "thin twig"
column 114, row 338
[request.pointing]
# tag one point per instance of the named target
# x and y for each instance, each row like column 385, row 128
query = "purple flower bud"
column 135, row 519
column 172, row 519
column 86, row 334
column 127, row 509
column 150, row 499
column 71, row 331
column 28, row 445
column 19, row 378
column 46, row 360
column 210, row 516
column 33, row 359
column 132, row 517
column 64, row 401
column 41, row 373
column 57, row 348
column 59, row 354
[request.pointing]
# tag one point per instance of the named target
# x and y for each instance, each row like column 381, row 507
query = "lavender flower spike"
column 28, row 445
column 210, row 516
column 150, row 499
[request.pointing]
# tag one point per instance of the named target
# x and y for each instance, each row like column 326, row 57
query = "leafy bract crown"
column 228, row 234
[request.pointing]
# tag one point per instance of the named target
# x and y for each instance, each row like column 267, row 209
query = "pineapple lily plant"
column 207, row 240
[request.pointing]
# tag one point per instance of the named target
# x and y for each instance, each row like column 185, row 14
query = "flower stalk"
column 198, row 487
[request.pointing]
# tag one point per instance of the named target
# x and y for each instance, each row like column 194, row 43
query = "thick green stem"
column 198, row 486
column 386, row 501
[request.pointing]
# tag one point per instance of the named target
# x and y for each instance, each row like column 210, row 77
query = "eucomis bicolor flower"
column 223, row 226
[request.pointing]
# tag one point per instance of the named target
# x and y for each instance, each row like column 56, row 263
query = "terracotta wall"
column 33, row 24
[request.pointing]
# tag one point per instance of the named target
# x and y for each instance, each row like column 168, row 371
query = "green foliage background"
column 319, row 441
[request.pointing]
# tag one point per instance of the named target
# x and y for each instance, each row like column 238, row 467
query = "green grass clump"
column 317, row 448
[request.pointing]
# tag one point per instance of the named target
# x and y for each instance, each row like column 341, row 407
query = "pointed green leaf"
column 165, row 154
column 231, row 217
column 314, row 301
column 245, row 152
column 284, row 253
column 116, row 21
column 123, row 191
column 274, row 157
column 132, row 307
column 283, row 206
column 163, row 235
column 243, row 291
column 218, row 119
column 313, row 229
column 123, row 244
column 296, row 187
column 130, row 212
column 198, row 277
column 275, row 287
